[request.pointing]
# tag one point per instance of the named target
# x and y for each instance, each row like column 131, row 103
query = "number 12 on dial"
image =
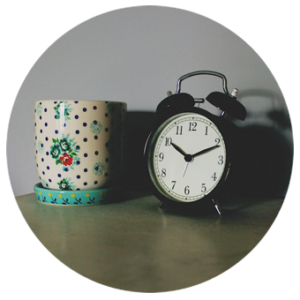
column 188, row 157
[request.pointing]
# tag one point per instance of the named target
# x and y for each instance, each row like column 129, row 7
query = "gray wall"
column 136, row 55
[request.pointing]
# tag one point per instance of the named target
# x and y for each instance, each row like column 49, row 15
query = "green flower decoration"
column 98, row 168
column 39, row 109
column 96, row 127
column 65, row 152
column 55, row 151
column 40, row 147
column 66, row 184
column 63, row 110
column 64, row 144
column 110, row 145
column 110, row 108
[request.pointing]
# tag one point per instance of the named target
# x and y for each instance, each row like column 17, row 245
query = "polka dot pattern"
column 78, row 144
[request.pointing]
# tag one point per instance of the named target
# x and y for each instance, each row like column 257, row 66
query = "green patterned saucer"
column 76, row 198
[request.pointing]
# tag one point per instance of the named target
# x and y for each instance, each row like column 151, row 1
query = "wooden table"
column 135, row 245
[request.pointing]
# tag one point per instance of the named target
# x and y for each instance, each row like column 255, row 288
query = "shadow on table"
column 263, row 170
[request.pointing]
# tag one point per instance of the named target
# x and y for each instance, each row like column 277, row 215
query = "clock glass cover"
column 188, row 157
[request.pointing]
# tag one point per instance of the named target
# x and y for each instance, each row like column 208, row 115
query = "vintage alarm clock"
column 190, row 152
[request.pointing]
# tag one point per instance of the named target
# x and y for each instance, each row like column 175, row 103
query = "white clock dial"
column 189, row 157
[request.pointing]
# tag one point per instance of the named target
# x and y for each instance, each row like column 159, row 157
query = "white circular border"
column 169, row 126
column 270, row 29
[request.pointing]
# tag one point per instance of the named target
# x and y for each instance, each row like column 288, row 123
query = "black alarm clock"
column 190, row 152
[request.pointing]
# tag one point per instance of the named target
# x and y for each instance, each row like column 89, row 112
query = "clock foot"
column 162, row 205
column 216, row 206
column 215, row 203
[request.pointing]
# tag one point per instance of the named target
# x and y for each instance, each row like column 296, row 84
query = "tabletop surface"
column 136, row 245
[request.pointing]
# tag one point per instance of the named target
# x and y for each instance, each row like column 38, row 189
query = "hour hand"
column 205, row 150
column 178, row 149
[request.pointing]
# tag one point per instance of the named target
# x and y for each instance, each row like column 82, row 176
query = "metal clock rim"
column 183, row 116
column 148, row 152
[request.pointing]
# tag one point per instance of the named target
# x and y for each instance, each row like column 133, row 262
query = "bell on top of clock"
column 191, row 152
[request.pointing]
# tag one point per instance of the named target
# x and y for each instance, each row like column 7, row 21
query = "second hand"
column 185, row 168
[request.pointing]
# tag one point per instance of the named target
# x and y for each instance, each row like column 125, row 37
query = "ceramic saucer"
column 78, row 197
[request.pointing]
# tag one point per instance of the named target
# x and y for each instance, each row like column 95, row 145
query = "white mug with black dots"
column 79, row 143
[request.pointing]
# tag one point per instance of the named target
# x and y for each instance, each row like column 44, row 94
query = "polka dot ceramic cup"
column 79, row 144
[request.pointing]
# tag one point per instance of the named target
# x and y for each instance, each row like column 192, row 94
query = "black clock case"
column 233, row 141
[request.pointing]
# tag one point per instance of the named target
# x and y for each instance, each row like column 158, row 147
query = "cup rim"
column 80, row 100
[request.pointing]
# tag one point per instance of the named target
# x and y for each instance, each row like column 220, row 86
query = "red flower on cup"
column 66, row 160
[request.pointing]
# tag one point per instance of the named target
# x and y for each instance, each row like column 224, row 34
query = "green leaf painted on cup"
column 66, row 184
column 65, row 152
column 110, row 107
column 96, row 127
column 62, row 110
column 98, row 168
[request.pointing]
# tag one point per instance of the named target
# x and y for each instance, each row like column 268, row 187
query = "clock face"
column 188, row 157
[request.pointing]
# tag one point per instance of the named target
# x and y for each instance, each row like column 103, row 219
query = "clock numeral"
column 192, row 126
column 174, row 183
column 163, row 172
column 217, row 140
column 203, row 188
column 206, row 130
column 168, row 141
column 179, row 130
column 161, row 156
column 187, row 190
column 214, row 177
column 220, row 162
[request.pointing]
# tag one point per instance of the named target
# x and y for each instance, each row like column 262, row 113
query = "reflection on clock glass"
column 189, row 157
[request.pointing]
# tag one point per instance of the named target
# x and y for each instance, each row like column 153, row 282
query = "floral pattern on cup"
column 40, row 147
column 92, row 124
column 39, row 109
column 63, row 110
column 96, row 127
column 44, row 183
column 65, row 152
column 66, row 184
column 109, row 145
column 98, row 168
column 110, row 107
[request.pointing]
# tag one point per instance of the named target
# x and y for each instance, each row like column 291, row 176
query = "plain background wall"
column 136, row 55
column 271, row 268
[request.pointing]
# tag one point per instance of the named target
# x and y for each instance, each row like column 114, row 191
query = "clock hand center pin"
column 187, row 157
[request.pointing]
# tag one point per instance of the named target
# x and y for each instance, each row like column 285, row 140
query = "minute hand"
column 205, row 150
